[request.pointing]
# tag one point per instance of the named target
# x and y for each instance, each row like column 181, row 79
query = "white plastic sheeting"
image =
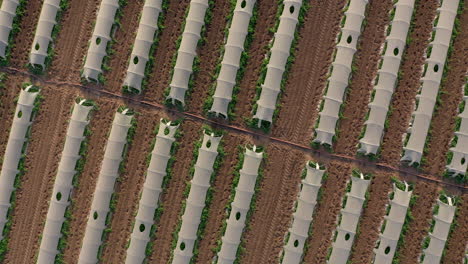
column 7, row 15
column 63, row 184
column 340, row 73
column 443, row 221
column 187, row 50
column 196, row 200
column 240, row 206
column 143, row 42
column 431, row 82
column 387, row 77
column 232, row 54
column 459, row 162
column 299, row 232
column 394, row 223
column 284, row 37
column 104, row 188
column 349, row 221
column 97, row 49
column 43, row 37
column 13, row 152
column 152, row 188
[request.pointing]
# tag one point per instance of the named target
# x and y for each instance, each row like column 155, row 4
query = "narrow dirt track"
column 456, row 243
column 173, row 195
column 366, row 61
column 47, row 139
column 266, row 11
column 308, row 75
column 128, row 189
column 402, row 104
column 72, row 41
column 124, row 37
column 159, row 79
column 7, row 108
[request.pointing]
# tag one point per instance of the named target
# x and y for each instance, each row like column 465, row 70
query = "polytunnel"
column 152, row 188
column 459, row 162
column 430, row 82
column 195, row 203
column 187, row 52
column 240, row 206
column 350, row 215
column 16, row 140
column 105, row 187
column 387, row 77
column 43, row 37
column 394, row 222
column 231, row 59
column 143, row 42
column 438, row 237
column 340, row 72
column 302, row 217
column 97, row 49
column 63, row 183
column 7, row 15
column 279, row 55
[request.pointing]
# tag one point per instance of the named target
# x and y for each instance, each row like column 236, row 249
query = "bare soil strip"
column 47, row 139
column 308, row 75
column 366, row 61
column 72, row 41
column 402, row 104
column 456, row 244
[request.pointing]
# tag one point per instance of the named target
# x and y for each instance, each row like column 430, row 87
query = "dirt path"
column 128, row 189
column 443, row 122
column 124, row 37
column 173, row 195
column 456, row 244
column 72, row 41
column 159, row 79
column 47, row 139
column 411, row 69
column 266, row 12
column 366, row 61
column 308, row 75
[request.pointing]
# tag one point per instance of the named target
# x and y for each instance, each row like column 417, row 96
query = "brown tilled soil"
column 222, row 186
column 124, row 37
column 23, row 40
column 159, row 79
column 72, row 41
column 209, row 55
column 443, row 122
column 307, row 77
column 366, row 61
column 264, row 236
column 411, row 68
column 173, row 195
column 266, row 12
column 82, row 196
column 43, row 155
column 456, row 243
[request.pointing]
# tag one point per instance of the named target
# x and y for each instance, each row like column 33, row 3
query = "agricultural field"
column 234, row 131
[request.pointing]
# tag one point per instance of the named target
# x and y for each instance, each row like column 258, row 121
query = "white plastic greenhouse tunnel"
column 302, row 217
column 187, row 52
column 427, row 98
column 7, row 15
column 152, row 188
column 108, row 174
column 459, row 163
column 16, row 141
column 97, row 49
column 280, row 51
column 387, row 77
column 63, row 184
column 195, row 203
column 340, row 72
column 240, row 206
column 230, row 64
column 144, row 40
